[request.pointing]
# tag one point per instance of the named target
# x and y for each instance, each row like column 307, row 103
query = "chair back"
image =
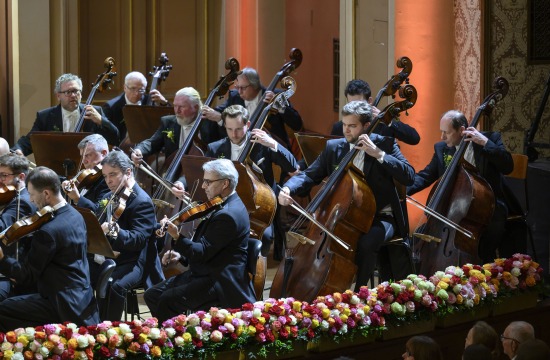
column 520, row 167
column 256, row 265
column 105, row 272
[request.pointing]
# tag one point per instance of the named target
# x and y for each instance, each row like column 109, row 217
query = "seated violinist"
column 381, row 162
column 56, row 263
column 17, row 205
column 487, row 152
column 93, row 149
column 216, row 255
column 265, row 154
column 64, row 117
column 127, row 217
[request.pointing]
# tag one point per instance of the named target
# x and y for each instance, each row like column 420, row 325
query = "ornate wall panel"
column 467, row 54
column 507, row 56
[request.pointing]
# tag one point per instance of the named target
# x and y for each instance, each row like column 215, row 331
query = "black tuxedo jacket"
column 113, row 112
column 397, row 129
column 218, row 250
column 290, row 117
column 492, row 161
column 281, row 157
column 57, row 263
column 209, row 132
column 51, row 119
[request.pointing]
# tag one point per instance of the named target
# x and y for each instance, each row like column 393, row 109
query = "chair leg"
column 531, row 240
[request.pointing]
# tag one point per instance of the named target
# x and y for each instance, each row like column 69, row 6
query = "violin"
column 27, row 225
column 116, row 212
column 84, row 178
column 7, row 193
column 190, row 213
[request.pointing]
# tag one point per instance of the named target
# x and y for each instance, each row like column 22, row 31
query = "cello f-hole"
column 446, row 236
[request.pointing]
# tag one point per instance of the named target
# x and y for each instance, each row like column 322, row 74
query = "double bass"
column 161, row 194
column 324, row 260
column 464, row 201
column 102, row 82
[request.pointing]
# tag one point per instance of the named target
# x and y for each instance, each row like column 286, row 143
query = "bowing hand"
column 170, row 257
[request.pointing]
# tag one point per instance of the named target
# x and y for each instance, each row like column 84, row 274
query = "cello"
column 324, row 259
column 463, row 198
column 102, row 83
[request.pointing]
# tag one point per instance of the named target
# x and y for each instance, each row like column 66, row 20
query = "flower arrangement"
column 276, row 326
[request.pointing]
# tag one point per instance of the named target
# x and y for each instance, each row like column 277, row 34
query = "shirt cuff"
column 381, row 158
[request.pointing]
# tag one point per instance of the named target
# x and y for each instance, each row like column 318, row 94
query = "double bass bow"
column 345, row 206
column 103, row 81
column 462, row 197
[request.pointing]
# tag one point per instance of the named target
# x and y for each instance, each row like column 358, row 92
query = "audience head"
column 477, row 352
column 483, row 333
column 514, row 335
column 357, row 90
column 533, row 349
column 422, row 348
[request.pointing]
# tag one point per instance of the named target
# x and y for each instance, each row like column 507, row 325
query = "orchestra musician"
column 248, row 92
column 358, row 89
column 487, row 152
column 4, row 146
column 56, row 262
column 65, row 116
column 13, row 172
column 236, row 122
column 174, row 129
column 135, row 85
column 129, row 235
column 216, row 254
column 381, row 162
column 93, row 149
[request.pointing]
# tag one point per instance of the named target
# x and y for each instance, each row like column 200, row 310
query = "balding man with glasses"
column 516, row 333
column 135, row 85
column 65, row 116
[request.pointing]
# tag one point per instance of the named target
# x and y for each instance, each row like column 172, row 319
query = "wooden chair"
column 518, row 179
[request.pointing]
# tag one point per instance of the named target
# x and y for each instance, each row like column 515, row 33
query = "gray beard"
column 182, row 121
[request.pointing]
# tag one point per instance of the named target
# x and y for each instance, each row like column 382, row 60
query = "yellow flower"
column 314, row 323
column 155, row 351
column 459, row 299
column 507, row 276
column 366, row 309
column 187, row 337
column 296, row 305
column 251, row 329
column 169, row 134
column 72, row 343
column 443, row 285
column 530, row 281
column 267, row 306
column 8, row 354
column 142, row 338
column 325, row 313
column 23, row 340
column 261, row 320
column 344, row 317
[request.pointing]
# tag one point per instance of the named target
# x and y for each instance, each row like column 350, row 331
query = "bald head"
column 4, row 146
column 514, row 335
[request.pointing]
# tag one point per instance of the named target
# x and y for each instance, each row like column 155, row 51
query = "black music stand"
column 142, row 121
column 57, row 150
column 97, row 242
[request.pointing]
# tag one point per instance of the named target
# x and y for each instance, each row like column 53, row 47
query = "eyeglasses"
column 70, row 92
column 207, row 182
column 242, row 88
column 135, row 89
column 3, row 176
column 502, row 338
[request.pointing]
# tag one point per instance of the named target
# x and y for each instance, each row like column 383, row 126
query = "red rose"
column 248, row 307
column 104, row 352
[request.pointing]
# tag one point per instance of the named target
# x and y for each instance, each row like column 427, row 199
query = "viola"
column 27, row 225
column 84, row 178
column 7, row 193
column 192, row 212
column 102, row 82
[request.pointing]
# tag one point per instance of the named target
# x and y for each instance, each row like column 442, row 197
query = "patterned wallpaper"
column 507, row 55
column 467, row 55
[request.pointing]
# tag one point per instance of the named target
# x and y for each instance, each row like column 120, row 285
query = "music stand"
column 57, row 150
column 312, row 145
column 97, row 242
column 142, row 121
